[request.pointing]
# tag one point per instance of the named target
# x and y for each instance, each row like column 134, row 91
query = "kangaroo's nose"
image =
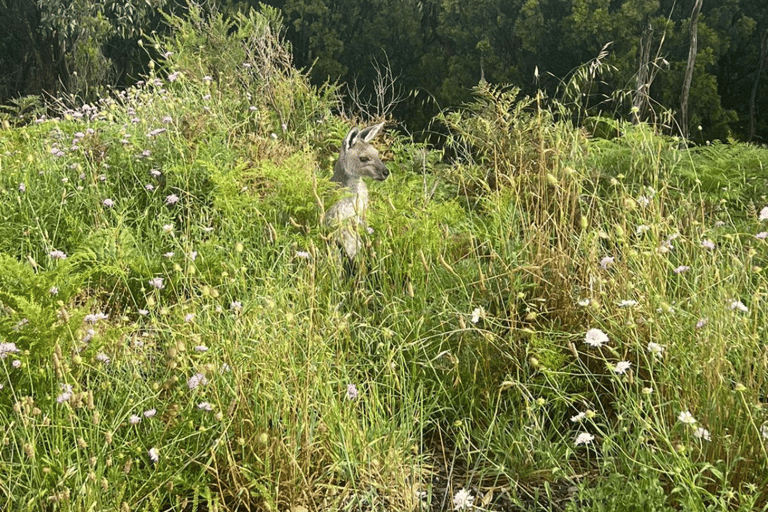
column 385, row 171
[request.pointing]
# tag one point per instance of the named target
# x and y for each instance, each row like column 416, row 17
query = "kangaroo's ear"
column 369, row 133
column 349, row 140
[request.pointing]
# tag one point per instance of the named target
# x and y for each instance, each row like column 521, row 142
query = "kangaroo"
column 357, row 159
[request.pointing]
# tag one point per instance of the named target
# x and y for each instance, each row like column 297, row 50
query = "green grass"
column 263, row 377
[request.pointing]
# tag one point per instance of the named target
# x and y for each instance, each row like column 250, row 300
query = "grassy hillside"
column 551, row 322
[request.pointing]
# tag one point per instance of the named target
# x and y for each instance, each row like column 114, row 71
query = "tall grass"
column 178, row 334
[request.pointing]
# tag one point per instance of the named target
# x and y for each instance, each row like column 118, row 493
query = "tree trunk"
column 643, row 82
column 753, row 96
column 693, row 49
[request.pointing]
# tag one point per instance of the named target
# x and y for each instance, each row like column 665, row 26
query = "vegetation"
column 550, row 321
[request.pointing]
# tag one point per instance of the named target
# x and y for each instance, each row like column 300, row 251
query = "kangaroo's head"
column 358, row 158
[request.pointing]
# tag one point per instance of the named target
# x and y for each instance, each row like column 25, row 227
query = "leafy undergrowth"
column 547, row 314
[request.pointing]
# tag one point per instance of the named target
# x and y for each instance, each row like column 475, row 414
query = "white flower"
column 189, row 317
column 584, row 438
column 477, row 314
column 157, row 282
column 762, row 235
column 578, row 417
column 702, row 322
column 702, row 433
column 655, row 349
column 642, row 228
column 196, row 380
column 622, row 367
column 205, row 406
column 201, row 348
column 627, row 303
column 462, row 500
column 686, row 417
column 149, row 413
column 737, row 304
column 167, row 228
column 682, row 268
column 583, row 302
column 134, row 419
column 595, row 338
column 763, row 213
column 302, row 254
column 153, row 455
column 708, row 244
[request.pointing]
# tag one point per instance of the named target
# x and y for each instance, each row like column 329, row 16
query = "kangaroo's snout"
column 383, row 173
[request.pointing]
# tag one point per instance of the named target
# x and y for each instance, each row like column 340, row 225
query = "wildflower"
column 225, row 368
column 66, row 395
column 595, row 338
column 196, row 380
column 647, row 391
column 462, row 500
column 16, row 363
column 763, row 214
column 22, row 187
column 8, row 348
column 627, row 303
column 702, row 322
column 702, row 433
column 155, row 173
column 205, row 406
column 583, row 302
column 642, row 228
column 607, row 262
column 201, row 348
column 764, row 430
column 584, row 438
column 157, row 282
column 737, row 304
column 167, row 228
column 173, row 76
column 167, row 120
column 143, row 312
column 708, row 244
column 193, row 255
column 578, row 417
column 302, row 254
column 208, row 229
column 108, row 203
column 150, row 413
column 207, row 78
column 477, row 314
column 622, row 367
column 352, row 393
column 682, row 268
column 57, row 255
column 153, row 455
column 102, row 358
column 155, row 133
column 53, row 290
column 762, row 235
column 172, row 199
column 134, row 419
column 643, row 201
column 655, row 348
column 95, row 317
column 168, row 255
column 189, row 317
column 236, row 306
column 686, row 417
column 719, row 223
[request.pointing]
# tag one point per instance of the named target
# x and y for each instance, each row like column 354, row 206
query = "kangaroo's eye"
column 364, row 158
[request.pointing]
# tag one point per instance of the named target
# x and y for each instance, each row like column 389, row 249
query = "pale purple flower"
column 153, row 455
column 155, row 133
column 134, row 419
column 607, row 262
column 146, row 153
column 702, row 322
column 302, row 254
column 595, row 338
column 196, row 380
column 95, row 317
column 236, row 305
column 201, row 348
column 157, row 282
column 155, row 173
column 172, row 199
column 462, row 500
column 8, row 348
column 681, row 269
column 173, row 76
column 57, row 255
column 642, row 228
column 53, row 290
column 102, row 358
column 149, row 413
column 205, row 406
column 108, row 203
column 207, row 78
column 708, row 244
column 762, row 235
column 737, row 304
column 686, row 417
column 88, row 335
column 352, row 393
column 763, row 214
column 584, row 438
column 167, row 120
column 22, row 187
column 66, row 393
column 622, row 367
column 16, row 363
column 189, row 317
